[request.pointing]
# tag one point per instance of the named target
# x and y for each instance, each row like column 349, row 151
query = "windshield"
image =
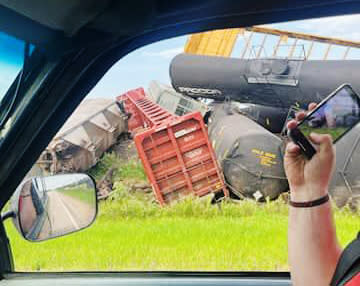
column 185, row 142
column 11, row 61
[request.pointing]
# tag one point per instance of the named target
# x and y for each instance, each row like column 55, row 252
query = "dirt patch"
column 125, row 160
column 125, row 148
column 105, row 185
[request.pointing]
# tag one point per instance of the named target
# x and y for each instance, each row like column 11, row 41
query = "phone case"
column 299, row 139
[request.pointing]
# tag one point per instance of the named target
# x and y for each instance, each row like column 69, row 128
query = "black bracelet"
column 310, row 204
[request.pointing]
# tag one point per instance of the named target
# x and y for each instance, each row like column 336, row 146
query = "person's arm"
column 313, row 247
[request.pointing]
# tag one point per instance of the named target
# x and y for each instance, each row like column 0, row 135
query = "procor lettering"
column 196, row 91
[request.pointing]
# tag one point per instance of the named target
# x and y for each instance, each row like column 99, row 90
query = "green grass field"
column 334, row 132
column 190, row 236
column 82, row 193
column 133, row 233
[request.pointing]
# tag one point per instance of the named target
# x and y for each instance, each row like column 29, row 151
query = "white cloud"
column 166, row 54
column 344, row 27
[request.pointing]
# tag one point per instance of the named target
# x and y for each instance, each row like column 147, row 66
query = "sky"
column 11, row 59
column 152, row 62
column 64, row 180
column 140, row 67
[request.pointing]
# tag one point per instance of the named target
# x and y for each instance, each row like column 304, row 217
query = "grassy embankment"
column 82, row 193
column 132, row 233
column 334, row 132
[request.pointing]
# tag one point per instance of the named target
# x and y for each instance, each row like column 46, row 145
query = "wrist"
column 310, row 204
column 307, row 193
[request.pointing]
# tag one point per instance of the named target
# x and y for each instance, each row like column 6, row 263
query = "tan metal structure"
column 91, row 130
column 222, row 42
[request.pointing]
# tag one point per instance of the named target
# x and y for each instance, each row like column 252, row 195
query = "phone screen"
column 335, row 116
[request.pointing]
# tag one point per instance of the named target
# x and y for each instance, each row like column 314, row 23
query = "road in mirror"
column 53, row 206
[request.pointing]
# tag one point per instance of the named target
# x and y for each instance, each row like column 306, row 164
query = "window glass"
column 11, row 60
column 204, row 186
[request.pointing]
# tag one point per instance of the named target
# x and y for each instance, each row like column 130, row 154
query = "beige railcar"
column 92, row 129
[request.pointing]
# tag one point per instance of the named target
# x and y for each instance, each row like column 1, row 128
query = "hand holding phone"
column 335, row 115
column 299, row 139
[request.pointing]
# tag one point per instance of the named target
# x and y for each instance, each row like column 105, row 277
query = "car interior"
column 64, row 49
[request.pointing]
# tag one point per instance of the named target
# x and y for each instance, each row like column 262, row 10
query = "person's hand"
column 309, row 179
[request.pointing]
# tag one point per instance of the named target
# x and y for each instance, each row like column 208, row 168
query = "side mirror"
column 49, row 207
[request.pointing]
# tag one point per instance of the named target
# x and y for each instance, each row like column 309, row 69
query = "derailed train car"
column 91, row 130
column 345, row 186
column 269, row 86
column 250, row 156
column 265, row 89
column 172, row 101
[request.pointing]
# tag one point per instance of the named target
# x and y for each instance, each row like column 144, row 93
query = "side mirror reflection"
column 48, row 207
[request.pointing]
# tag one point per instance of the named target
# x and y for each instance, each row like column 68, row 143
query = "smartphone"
column 335, row 115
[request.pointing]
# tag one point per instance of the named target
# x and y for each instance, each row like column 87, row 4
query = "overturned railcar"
column 91, row 130
column 345, row 185
column 250, row 156
column 268, row 85
column 172, row 101
column 267, row 81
